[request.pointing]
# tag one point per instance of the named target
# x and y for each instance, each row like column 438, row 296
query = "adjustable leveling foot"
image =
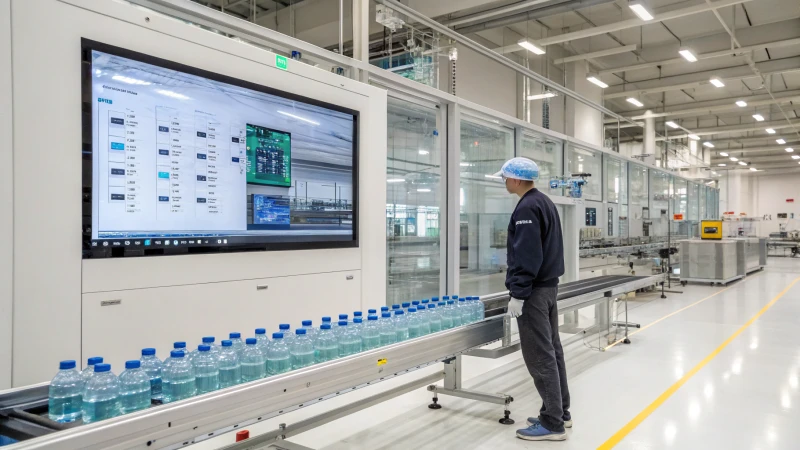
column 507, row 420
column 435, row 404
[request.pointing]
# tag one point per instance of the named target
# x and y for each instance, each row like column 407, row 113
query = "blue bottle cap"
column 326, row 326
column 326, row 319
column 251, row 341
column 399, row 312
column 358, row 320
column 412, row 310
column 227, row 343
column 261, row 331
column 179, row 344
column 208, row 339
column 432, row 306
column 307, row 323
column 133, row 364
column 442, row 303
column 277, row 335
column 94, row 360
column 372, row 311
column 235, row 335
column 450, row 302
column 454, row 296
column 342, row 316
column 434, row 299
column 425, row 301
column 372, row 317
column 342, row 323
column 358, row 314
column 203, row 348
column 148, row 351
column 66, row 365
column 395, row 306
column 386, row 315
column 415, row 302
column 461, row 299
column 283, row 326
column 98, row 368
column 176, row 354
column 300, row 331
column 384, row 308
column 406, row 304
column 446, row 297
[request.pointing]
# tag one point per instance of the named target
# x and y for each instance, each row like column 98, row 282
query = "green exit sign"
column 281, row 62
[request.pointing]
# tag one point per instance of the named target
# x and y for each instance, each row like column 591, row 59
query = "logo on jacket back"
column 523, row 222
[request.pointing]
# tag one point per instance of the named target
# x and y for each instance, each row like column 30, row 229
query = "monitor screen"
column 181, row 160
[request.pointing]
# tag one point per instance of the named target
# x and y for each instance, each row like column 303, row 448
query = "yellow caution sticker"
column 382, row 361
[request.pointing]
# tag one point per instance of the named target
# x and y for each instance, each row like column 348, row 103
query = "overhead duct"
column 789, row 96
column 760, row 126
column 537, row 13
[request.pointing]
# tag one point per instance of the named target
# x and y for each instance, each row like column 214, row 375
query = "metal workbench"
column 179, row 424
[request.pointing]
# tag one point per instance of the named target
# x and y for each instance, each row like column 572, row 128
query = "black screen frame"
column 134, row 247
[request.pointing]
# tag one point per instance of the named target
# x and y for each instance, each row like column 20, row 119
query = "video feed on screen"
column 182, row 159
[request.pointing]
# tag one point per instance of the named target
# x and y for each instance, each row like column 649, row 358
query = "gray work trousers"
column 544, row 357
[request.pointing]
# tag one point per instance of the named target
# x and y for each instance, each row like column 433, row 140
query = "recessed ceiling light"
column 542, row 96
column 687, row 54
column 717, row 82
column 742, row 163
column 694, row 137
column 753, row 169
column 734, row 159
column 423, row 190
column 770, row 131
column 708, row 144
column 493, row 177
column 423, row 152
column 639, row 9
column 635, row 102
column 530, row 46
column 741, row 103
column 395, row 180
column 789, row 149
column 594, row 80
column 672, row 124
column 758, row 117
column 722, row 164
column 723, row 154
column 795, row 156
column 780, row 141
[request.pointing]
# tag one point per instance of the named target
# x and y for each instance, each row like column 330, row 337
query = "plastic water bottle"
column 236, row 342
column 434, row 299
column 101, row 395
column 356, row 327
column 383, row 310
column 400, row 325
column 279, row 360
column 425, row 302
column 406, row 305
column 326, row 347
column 372, row 312
column 386, row 327
column 444, row 314
column 343, row 339
column 358, row 315
column 209, row 341
column 65, row 394
column 413, row 323
column 341, row 329
column 465, row 310
column 424, row 322
column 134, row 388
column 206, row 370
column 327, row 319
column 370, row 334
column 455, row 314
column 415, row 304
column 353, row 339
column 230, row 370
column 288, row 337
column 253, row 364
column 343, row 317
column 395, row 307
column 178, row 377
column 302, row 350
column 480, row 309
column 88, row 371
column 262, row 343
column 434, row 318
column 311, row 332
column 152, row 367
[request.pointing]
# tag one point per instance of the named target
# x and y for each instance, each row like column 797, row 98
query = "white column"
column 361, row 35
column 6, row 197
column 583, row 122
column 650, row 138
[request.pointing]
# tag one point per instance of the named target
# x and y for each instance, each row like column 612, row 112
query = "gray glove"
column 515, row 307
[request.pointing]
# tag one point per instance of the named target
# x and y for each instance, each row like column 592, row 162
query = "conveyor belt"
column 576, row 288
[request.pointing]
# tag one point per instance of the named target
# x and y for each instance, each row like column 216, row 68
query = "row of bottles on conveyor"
column 96, row 393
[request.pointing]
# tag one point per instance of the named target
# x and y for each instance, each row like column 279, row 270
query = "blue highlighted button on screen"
column 117, row 146
column 163, row 175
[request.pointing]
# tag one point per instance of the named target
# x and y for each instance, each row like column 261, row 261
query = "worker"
column 535, row 253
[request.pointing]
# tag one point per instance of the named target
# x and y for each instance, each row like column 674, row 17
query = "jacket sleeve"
column 527, row 251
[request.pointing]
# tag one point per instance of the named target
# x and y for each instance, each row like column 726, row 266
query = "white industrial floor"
column 743, row 395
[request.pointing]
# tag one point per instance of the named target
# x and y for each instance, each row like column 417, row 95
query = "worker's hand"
column 515, row 307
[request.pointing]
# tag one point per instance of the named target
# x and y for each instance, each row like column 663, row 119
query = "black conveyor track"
column 576, row 288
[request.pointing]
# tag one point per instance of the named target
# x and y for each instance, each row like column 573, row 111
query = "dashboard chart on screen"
column 188, row 161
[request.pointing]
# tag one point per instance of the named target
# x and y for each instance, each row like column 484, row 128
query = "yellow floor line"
column 676, row 312
column 630, row 426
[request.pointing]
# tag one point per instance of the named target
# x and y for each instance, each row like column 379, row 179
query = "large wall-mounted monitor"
column 182, row 160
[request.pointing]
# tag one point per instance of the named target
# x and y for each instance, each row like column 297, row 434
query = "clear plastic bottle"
column 206, row 370
column 88, row 371
column 353, row 337
column 279, row 360
column 357, row 315
column 383, row 310
column 406, row 305
column 465, row 310
column 358, row 324
column 236, row 342
column 395, row 307
column 288, row 336
column 435, row 300
column 153, row 367
column 209, row 341
column 400, row 325
column 134, row 388
column 65, row 394
column 455, row 314
column 311, row 332
column 340, row 330
column 230, row 370
column 424, row 302
column 327, row 319
column 415, row 304
column 178, row 377
column 370, row 334
column 424, row 322
column 302, row 350
column 343, row 339
column 444, row 315
column 101, row 395
column 413, row 323
column 480, row 309
column 388, row 333
column 343, row 317
column 372, row 312
column 253, row 364
column 262, row 343
column 326, row 347
column 434, row 318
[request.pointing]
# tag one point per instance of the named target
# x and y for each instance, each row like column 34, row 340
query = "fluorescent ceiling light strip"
column 742, row 163
column 723, row 154
column 542, row 96
column 758, row 117
column 672, row 125
column 741, row 103
column 780, row 141
column 708, row 144
column 493, row 177
column 597, row 81
column 298, row 117
column 395, row 180
column 635, row 102
column 770, row 131
column 734, row 159
column 789, row 150
column 694, row 137
column 530, row 46
column 688, row 55
column 717, row 82
column 640, row 11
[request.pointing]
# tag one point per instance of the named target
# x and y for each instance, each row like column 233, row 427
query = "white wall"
column 584, row 122
column 772, row 192
column 6, row 197
column 58, row 312
column 483, row 81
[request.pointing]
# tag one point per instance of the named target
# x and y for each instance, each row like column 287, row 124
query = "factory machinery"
column 23, row 411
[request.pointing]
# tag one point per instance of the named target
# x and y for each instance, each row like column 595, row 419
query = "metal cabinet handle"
column 262, row 287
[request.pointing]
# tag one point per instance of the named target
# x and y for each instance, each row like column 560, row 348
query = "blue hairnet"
column 520, row 168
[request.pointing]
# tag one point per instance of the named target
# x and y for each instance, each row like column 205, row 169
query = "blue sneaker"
column 537, row 432
column 534, row 420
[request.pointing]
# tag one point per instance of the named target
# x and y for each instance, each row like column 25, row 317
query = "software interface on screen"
column 182, row 159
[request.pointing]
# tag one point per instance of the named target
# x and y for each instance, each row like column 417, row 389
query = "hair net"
column 519, row 168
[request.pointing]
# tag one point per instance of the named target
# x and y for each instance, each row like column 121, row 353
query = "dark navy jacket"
column 535, row 245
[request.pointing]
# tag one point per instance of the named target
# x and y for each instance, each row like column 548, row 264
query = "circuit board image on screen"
column 269, row 156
